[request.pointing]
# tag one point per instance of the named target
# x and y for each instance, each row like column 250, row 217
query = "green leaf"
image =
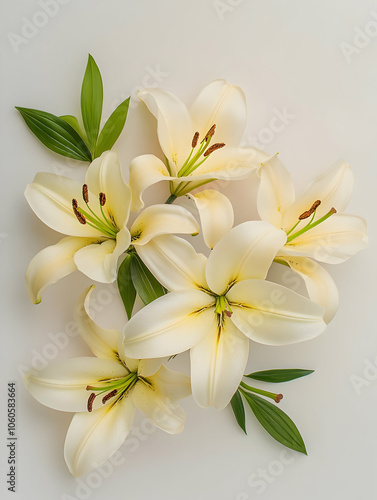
column 276, row 422
column 125, row 285
column 112, row 128
column 147, row 287
column 238, row 410
column 92, row 101
column 72, row 120
column 56, row 134
column 277, row 376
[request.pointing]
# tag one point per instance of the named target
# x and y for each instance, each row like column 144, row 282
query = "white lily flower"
column 94, row 216
column 105, row 392
column 216, row 305
column 315, row 225
column 186, row 139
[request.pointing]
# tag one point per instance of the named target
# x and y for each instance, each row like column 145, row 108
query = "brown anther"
column 195, row 140
column 85, row 194
column 315, row 205
column 311, row 210
column 210, row 133
column 102, row 199
column 213, row 148
column 305, row 215
column 91, row 399
column 278, row 398
column 79, row 216
column 109, row 396
column 228, row 313
column 74, row 204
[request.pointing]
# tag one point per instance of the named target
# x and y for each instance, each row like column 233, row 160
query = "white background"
column 291, row 56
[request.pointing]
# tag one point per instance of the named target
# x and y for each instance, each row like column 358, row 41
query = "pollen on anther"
column 85, row 193
column 91, row 399
column 109, row 396
column 78, row 214
column 213, row 148
column 102, row 199
column 210, row 133
column 305, row 215
column 195, row 140
column 315, row 205
column 74, row 204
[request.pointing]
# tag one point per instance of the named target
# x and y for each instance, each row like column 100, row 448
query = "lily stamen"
column 213, row 148
column 310, row 225
column 109, row 396
column 104, row 225
column 91, row 399
column 193, row 162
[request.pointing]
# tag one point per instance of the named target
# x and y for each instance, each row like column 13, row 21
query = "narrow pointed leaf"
column 72, row 120
column 112, row 128
column 92, row 101
column 56, row 134
column 125, row 285
column 277, row 376
column 238, row 410
column 147, row 287
column 276, row 422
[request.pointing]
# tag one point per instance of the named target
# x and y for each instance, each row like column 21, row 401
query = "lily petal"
column 169, row 325
column 62, row 385
column 333, row 189
column 145, row 171
column 246, row 251
column 333, row 241
column 319, row 283
column 104, row 175
column 272, row 314
column 99, row 260
column 50, row 197
column 149, row 367
column 94, row 437
column 224, row 105
column 162, row 219
column 276, row 191
column 217, row 365
column 174, row 384
column 229, row 163
column 174, row 126
column 174, row 262
column 103, row 343
column 216, row 215
column 161, row 410
column 51, row 264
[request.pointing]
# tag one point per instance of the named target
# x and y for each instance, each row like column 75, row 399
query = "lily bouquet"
column 210, row 304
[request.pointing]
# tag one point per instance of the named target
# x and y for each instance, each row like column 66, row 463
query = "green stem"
column 271, row 395
column 171, row 199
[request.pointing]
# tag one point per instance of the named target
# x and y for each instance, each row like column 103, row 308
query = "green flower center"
column 102, row 223
column 312, row 223
column 222, row 307
column 199, row 152
column 110, row 388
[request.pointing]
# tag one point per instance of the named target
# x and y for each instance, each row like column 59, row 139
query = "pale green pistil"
column 311, row 224
column 101, row 223
column 222, row 306
column 111, row 388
